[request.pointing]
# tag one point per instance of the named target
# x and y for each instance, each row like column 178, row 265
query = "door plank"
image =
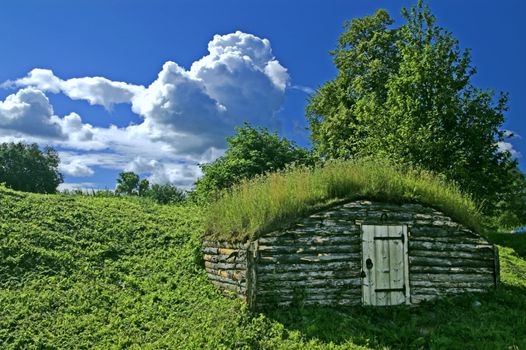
column 381, row 265
column 396, row 262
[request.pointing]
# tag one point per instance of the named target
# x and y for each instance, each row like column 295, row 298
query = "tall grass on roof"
column 275, row 200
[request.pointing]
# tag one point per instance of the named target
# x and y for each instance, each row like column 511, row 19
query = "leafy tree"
column 251, row 151
column 405, row 93
column 165, row 194
column 128, row 183
column 143, row 187
column 25, row 167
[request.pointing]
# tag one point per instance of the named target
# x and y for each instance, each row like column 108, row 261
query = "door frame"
column 405, row 241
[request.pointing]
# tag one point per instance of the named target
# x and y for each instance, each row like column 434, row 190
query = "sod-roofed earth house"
column 396, row 244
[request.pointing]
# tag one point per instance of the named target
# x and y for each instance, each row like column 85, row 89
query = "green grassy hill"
column 90, row 272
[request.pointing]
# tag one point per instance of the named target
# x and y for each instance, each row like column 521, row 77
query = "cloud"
column 95, row 90
column 239, row 80
column 178, row 110
column 305, row 89
column 28, row 116
column 187, row 113
column 76, row 168
column 141, row 165
column 29, row 112
column 181, row 174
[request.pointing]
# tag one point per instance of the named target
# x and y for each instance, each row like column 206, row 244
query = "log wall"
column 226, row 266
column 318, row 260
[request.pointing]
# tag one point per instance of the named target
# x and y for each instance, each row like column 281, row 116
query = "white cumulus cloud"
column 29, row 112
column 75, row 168
column 95, row 90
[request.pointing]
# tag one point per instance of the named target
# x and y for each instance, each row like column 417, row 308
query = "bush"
column 165, row 194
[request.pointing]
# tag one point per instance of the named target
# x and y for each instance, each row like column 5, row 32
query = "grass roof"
column 266, row 203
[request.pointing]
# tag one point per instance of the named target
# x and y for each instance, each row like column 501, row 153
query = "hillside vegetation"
column 88, row 272
column 259, row 205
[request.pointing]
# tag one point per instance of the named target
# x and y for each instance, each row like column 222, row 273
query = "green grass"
column 109, row 273
column 269, row 202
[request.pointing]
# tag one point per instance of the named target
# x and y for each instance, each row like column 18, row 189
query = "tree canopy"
column 128, row 183
column 25, row 167
column 251, row 151
column 405, row 93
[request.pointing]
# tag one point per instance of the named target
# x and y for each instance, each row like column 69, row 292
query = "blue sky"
column 230, row 61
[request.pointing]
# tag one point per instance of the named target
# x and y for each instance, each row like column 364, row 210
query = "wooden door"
column 385, row 279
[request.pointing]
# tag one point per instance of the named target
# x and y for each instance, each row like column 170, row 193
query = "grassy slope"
column 79, row 272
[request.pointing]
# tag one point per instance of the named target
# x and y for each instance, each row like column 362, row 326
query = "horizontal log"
column 209, row 250
column 347, row 239
column 228, row 251
column 448, row 247
column 453, row 284
column 444, row 222
column 311, row 283
column 449, row 270
column 342, row 302
column 447, row 262
column 434, row 231
column 309, row 297
column 379, row 206
column 305, row 258
column 226, row 265
column 322, row 266
column 305, row 249
column 338, row 212
column 452, row 277
column 447, row 291
column 223, row 251
column 224, row 258
column 225, row 280
column 300, row 275
column 449, row 239
column 308, row 230
column 229, row 274
column 225, row 244
column 377, row 215
column 474, row 255
column 354, row 290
